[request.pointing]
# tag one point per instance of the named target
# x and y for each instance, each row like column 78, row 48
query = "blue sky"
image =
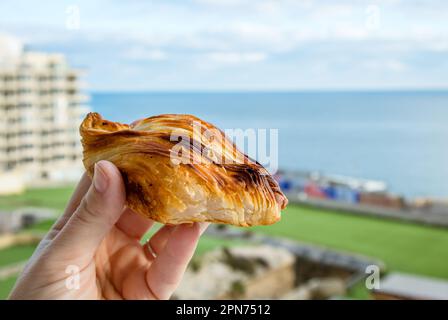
column 241, row 44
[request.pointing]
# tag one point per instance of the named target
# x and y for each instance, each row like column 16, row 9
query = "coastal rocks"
column 10, row 239
column 249, row 272
column 318, row 289
column 16, row 220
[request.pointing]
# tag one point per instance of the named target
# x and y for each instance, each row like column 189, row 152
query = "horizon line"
column 217, row 91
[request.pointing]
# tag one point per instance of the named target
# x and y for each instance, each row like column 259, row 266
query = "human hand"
column 94, row 252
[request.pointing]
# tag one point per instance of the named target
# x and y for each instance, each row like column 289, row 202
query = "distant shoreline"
column 261, row 91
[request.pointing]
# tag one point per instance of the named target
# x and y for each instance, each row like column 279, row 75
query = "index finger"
column 75, row 200
column 165, row 273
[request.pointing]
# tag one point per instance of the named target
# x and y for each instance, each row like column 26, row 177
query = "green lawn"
column 55, row 198
column 402, row 246
column 6, row 286
column 11, row 256
column 15, row 254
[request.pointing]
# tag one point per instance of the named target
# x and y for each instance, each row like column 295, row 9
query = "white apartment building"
column 41, row 107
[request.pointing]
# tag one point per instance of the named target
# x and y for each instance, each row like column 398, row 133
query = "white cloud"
column 349, row 32
column 139, row 53
column 381, row 65
column 269, row 42
column 439, row 46
column 225, row 3
column 235, row 57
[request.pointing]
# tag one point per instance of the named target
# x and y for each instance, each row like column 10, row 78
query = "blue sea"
column 397, row 137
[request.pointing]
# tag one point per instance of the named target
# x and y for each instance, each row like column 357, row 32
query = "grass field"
column 402, row 246
column 55, row 198
column 15, row 254
column 6, row 286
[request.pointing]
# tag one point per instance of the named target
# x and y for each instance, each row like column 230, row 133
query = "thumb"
column 98, row 212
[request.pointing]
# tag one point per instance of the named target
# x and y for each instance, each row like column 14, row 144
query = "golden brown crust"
column 207, row 179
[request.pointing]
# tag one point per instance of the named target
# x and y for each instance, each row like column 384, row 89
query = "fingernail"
column 100, row 180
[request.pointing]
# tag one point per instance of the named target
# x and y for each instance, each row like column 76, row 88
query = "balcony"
column 79, row 98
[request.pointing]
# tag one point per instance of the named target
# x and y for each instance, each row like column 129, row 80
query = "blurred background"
column 357, row 91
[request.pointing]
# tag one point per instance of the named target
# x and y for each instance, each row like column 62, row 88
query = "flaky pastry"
column 175, row 173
